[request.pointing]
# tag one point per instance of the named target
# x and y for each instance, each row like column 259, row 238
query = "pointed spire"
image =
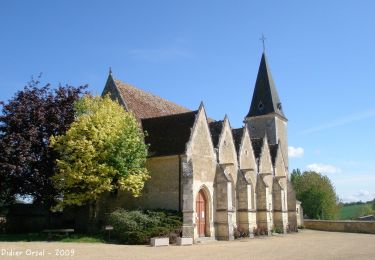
column 265, row 98
column 201, row 106
column 110, row 78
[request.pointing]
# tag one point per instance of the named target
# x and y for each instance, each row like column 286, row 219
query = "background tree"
column 26, row 123
column 365, row 210
column 317, row 194
column 296, row 174
column 103, row 150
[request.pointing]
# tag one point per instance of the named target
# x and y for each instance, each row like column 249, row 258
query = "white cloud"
column 323, row 168
column 341, row 121
column 365, row 193
column 361, row 195
column 295, row 152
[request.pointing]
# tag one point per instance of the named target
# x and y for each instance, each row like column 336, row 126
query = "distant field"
column 353, row 211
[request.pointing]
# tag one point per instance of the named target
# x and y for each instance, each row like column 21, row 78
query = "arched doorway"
column 201, row 210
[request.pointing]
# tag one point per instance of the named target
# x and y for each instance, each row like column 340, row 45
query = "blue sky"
column 321, row 55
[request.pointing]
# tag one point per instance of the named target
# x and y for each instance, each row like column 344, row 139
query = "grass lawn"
column 33, row 237
column 352, row 211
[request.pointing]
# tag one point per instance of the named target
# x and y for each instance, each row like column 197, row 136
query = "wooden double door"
column 201, row 210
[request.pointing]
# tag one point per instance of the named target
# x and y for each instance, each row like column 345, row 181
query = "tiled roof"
column 146, row 105
column 237, row 136
column 168, row 135
column 215, row 129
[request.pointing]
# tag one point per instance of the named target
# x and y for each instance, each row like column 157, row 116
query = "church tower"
column 266, row 114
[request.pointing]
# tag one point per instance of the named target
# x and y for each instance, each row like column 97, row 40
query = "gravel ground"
column 307, row 244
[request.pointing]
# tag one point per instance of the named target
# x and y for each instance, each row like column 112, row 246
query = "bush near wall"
column 34, row 218
column 138, row 227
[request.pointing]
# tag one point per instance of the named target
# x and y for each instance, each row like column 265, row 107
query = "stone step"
column 204, row 240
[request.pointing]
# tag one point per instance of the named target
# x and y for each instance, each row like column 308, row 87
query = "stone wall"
column 161, row 191
column 274, row 126
column 291, row 200
column 200, row 174
column 341, row 226
column 282, row 135
column 261, row 124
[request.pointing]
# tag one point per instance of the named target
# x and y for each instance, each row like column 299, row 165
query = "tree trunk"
column 93, row 217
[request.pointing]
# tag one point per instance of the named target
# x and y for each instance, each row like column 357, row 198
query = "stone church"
column 222, row 179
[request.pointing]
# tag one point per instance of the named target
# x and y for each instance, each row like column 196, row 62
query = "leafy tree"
column 103, row 150
column 317, row 194
column 296, row 174
column 365, row 210
column 26, row 123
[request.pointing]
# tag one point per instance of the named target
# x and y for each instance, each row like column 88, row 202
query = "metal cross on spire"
column 263, row 39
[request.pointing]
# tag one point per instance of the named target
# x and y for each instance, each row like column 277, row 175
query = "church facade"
column 223, row 180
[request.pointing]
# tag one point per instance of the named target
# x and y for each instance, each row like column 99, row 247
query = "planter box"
column 159, row 241
column 184, row 241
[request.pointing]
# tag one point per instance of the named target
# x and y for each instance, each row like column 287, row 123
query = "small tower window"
column 279, row 106
column 260, row 106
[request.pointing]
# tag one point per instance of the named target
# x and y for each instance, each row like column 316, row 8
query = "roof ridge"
column 171, row 115
column 148, row 93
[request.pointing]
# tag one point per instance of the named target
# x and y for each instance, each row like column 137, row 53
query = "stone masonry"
column 238, row 177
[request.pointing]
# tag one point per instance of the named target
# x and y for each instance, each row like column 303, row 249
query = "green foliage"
column 137, row 227
column 277, row 230
column 355, row 210
column 317, row 194
column 365, row 210
column 296, row 174
column 30, row 237
column 102, row 151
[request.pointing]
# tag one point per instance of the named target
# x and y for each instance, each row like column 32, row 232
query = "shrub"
column 278, row 230
column 137, row 227
column 240, row 233
column 260, row 231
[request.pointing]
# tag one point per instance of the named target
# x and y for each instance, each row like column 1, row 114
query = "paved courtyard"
column 307, row 244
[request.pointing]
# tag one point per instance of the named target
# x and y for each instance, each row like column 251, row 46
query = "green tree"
column 103, row 151
column 296, row 174
column 365, row 210
column 317, row 194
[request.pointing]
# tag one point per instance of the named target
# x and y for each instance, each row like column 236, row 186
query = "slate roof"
column 237, row 136
column 168, row 135
column 265, row 98
column 273, row 152
column 144, row 104
column 257, row 146
column 215, row 129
